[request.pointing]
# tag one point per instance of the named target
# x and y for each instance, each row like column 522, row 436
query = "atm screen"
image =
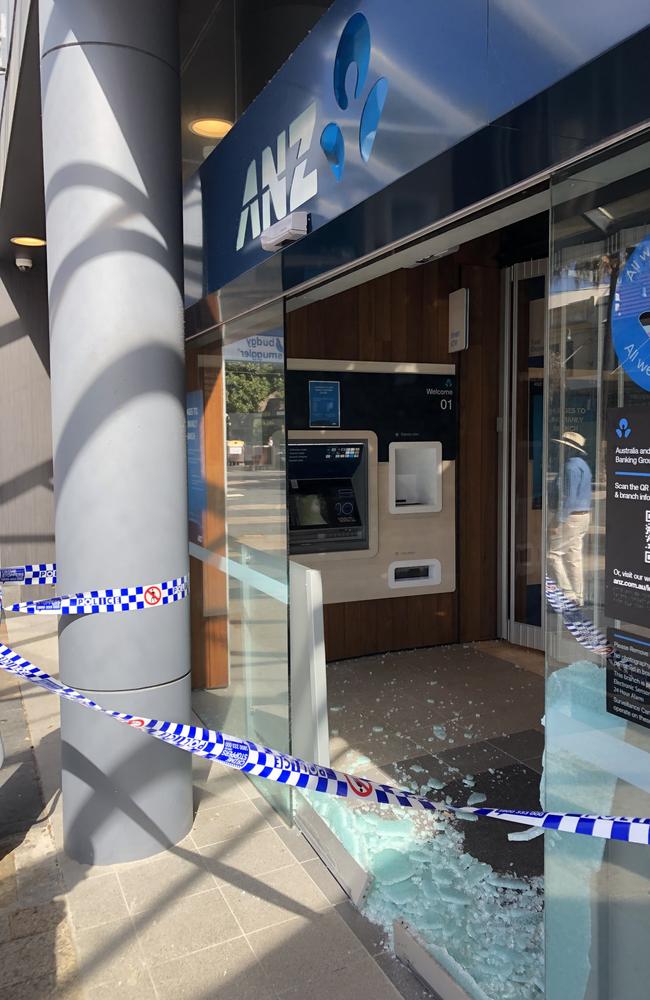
column 327, row 496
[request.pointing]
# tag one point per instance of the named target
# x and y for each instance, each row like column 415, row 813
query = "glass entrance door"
column 523, row 460
column 597, row 918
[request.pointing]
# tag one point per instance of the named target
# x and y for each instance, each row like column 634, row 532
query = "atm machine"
column 372, row 500
column 328, row 495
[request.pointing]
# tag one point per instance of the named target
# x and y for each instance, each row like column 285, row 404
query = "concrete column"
column 111, row 145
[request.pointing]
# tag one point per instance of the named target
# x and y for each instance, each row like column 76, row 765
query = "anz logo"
column 354, row 50
column 274, row 178
column 271, row 193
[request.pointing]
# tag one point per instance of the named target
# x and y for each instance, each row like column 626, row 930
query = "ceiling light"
column 210, row 128
column 28, row 241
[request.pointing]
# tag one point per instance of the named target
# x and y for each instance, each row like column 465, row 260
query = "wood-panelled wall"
column 403, row 316
column 208, row 585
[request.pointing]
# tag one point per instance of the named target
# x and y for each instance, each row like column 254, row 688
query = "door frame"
column 531, row 636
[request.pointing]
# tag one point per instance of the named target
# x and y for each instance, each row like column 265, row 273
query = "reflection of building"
column 404, row 133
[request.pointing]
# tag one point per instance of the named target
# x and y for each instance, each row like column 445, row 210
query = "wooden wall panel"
column 479, row 459
column 208, row 585
column 403, row 316
column 359, row 628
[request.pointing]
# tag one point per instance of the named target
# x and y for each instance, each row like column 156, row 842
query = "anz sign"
column 285, row 176
column 270, row 190
column 377, row 89
column 368, row 96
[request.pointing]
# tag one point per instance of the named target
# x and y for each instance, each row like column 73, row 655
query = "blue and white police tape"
column 110, row 600
column 582, row 630
column 634, row 831
column 34, row 573
column 246, row 756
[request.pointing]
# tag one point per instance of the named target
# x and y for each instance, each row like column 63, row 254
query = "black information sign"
column 627, row 541
column 628, row 677
column 400, row 406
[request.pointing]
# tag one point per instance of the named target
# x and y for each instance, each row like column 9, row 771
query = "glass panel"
column 256, row 525
column 229, row 50
column 530, row 306
column 248, row 546
column 6, row 18
column 597, row 735
column 208, row 78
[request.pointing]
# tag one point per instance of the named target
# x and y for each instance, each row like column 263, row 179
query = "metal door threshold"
column 354, row 879
column 410, row 950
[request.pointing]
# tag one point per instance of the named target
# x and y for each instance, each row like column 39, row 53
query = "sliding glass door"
column 597, row 721
column 523, row 459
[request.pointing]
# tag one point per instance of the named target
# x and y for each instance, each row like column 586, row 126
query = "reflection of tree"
column 249, row 386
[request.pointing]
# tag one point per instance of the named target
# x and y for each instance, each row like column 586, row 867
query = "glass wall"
column 229, row 50
column 256, row 537
column 243, row 546
column 598, row 555
column 526, row 453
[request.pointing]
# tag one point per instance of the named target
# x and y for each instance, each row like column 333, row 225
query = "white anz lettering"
column 274, row 179
column 301, row 131
column 250, row 207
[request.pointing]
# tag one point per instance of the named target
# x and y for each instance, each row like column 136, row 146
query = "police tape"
column 43, row 574
column 110, row 600
column 138, row 598
column 582, row 630
column 263, row 762
column 246, row 756
column 34, row 573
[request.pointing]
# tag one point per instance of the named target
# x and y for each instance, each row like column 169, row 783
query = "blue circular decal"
column 631, row 316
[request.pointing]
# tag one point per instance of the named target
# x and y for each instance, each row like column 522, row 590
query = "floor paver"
column 242, row 909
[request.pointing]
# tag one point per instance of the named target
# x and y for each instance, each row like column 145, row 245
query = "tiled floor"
column 242, row 909
column 462, row 718
column 459, row 719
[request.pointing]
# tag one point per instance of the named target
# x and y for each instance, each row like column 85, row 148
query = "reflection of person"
column 571, row 521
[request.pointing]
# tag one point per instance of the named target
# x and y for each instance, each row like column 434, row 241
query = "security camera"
column 293, row 227
column 23, row 262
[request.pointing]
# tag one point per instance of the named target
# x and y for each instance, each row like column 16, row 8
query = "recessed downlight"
column 28, row 241
column 210, row 128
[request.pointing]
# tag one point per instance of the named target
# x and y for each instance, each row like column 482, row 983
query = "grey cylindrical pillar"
column 109, row 82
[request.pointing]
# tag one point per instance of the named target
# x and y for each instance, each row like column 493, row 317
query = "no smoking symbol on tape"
column 359, row 786
column 152, row 595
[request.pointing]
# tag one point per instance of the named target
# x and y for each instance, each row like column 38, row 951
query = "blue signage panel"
column 369, row 95
column 324, row 404
column 627, row 523
column 631, row 316
column 377, row 89
column 196, row 487
column 534, row 43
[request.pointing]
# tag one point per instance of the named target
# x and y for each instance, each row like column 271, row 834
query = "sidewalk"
column 242, row 909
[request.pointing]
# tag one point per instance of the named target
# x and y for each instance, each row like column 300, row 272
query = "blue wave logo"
column 623, row 430
column 354, row 49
